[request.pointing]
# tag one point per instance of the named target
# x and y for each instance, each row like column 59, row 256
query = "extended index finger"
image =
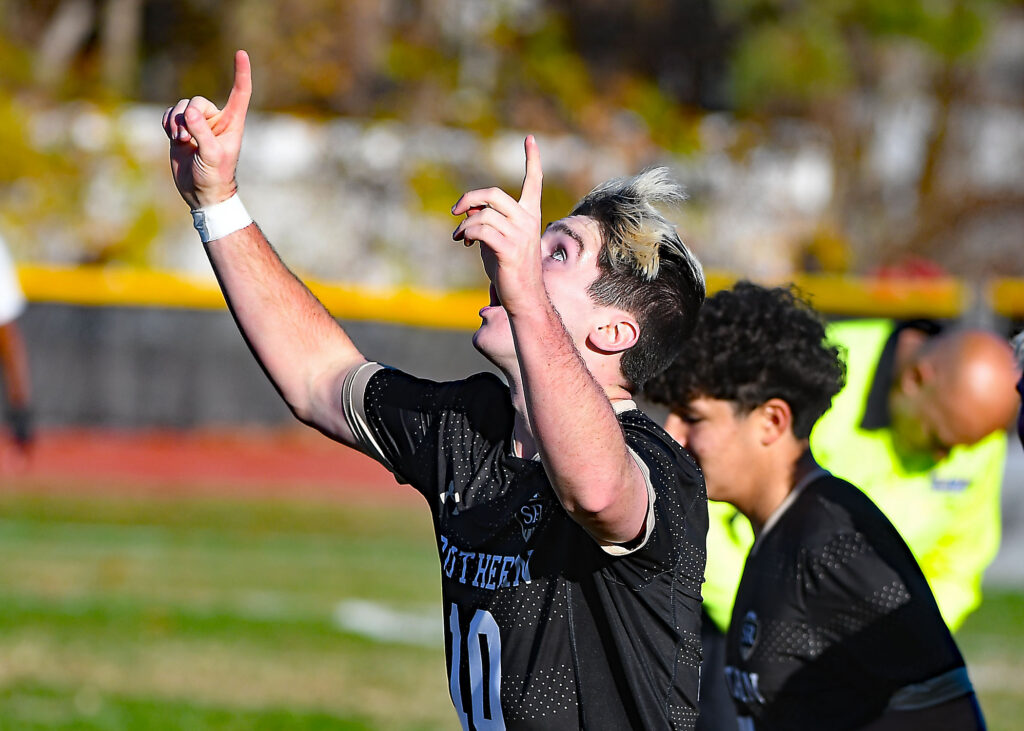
column 241, row 90
column 533, row 182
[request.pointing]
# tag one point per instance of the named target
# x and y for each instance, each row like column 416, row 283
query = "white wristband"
column 220, row 219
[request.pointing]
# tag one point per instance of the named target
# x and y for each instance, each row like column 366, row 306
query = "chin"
column 714, row 493
column 497, row 347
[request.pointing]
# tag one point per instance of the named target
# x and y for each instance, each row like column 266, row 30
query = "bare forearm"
column 577, row 433
column 299, row 344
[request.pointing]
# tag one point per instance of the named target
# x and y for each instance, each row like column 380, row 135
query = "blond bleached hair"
column 635, row 232
column 645, row 268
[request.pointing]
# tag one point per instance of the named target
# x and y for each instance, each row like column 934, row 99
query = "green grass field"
column 123, row 613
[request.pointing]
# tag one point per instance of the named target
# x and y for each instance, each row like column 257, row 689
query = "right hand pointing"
column 206, row 141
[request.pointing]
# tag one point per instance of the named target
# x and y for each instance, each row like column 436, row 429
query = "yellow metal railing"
column 832, row 294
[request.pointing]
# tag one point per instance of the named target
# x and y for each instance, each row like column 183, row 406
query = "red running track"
column 241, row 462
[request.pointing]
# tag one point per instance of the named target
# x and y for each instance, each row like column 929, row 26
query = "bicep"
column 388, row 415
column 336, row 398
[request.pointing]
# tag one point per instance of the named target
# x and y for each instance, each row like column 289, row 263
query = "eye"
column 559, row 254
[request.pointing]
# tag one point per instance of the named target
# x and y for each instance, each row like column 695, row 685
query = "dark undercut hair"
column 752, row 344
column 645, row 268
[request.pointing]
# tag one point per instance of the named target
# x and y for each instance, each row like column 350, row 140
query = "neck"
column 773, row 491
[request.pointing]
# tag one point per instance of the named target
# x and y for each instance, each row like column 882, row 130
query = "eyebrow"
column 562, row 227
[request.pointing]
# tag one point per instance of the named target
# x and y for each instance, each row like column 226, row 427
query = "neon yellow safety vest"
column 948, row 514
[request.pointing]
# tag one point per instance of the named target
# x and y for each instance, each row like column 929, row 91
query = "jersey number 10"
column 482, row 645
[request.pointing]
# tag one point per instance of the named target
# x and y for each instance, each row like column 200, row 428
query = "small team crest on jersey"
column 749, row 631
column 451, row 494
column 529, row 516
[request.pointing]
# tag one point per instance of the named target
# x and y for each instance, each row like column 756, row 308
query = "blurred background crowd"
column 860, row 136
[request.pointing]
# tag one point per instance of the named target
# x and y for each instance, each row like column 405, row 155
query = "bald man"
column 949, row 389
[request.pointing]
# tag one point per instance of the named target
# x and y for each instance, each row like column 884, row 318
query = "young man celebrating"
column 569, row 527
column 834, row 625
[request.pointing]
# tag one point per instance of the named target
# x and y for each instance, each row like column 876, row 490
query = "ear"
column 916, row 376
column 776, row 420
column 616, row 334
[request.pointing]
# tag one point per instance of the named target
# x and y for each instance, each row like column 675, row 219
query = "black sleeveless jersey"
column 544, row 628
column 834, row 624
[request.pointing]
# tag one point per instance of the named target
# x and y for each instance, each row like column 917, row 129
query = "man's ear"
column 776, row 420
column 915, row 376
column 616, row 334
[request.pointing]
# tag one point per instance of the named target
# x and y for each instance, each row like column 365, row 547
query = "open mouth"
column 495, row 302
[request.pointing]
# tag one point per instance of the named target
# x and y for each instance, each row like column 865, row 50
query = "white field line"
column 997, row 676
column 379, row 622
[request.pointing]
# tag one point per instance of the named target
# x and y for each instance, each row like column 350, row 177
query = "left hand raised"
column 508, row 232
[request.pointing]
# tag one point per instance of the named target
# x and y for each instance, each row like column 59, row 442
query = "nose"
column 677, row 428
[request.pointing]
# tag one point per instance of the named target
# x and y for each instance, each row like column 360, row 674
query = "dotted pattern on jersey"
column 691, row 551
column 448, row 441
column 689, row 652
column 781, row 640
column 526, row 607
column 832, row 615
column 838, row 553
column 862, row 611
column 682, row 717
column 547, row 692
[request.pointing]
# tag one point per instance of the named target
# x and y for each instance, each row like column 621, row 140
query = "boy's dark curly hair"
column 751, row 344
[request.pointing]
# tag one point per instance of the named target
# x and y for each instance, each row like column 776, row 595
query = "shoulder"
column 834, row 514
column 826, row 508
column 655, row 447
column 673, row 477
column 977, row 459
column 481, row 390
column 480, row 402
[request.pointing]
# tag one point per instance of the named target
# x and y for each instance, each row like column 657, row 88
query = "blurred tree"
column 636, row 76
column 77, row 40
column 682, row 47
column 56, row 167
column 842, row 65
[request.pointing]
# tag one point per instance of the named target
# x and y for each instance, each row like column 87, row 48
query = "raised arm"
column 570, row 417
column 300, row 346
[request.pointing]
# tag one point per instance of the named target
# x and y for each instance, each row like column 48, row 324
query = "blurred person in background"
column 1018, row 350
column 834, row 625
column 13, row 355
column 570, row 527
column 920, row 428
